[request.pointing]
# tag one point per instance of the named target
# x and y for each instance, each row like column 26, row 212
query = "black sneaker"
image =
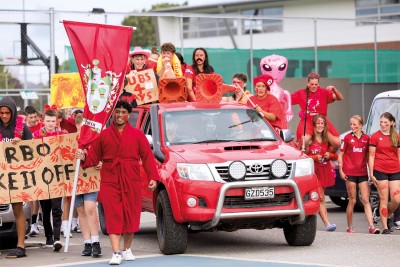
column 76, row 229
column 49, row 241
column 386, row 232
column 57, row 246
column 87, row 251
column 96, row 249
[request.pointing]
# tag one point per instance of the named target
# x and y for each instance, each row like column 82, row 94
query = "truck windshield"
column 380, row 106
column 216, row 125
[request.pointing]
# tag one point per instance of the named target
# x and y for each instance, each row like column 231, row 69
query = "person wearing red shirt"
column 34, row 125
column 317, row 100
column 318, row 150
column 384, row 151
column 51, row 206
column 265, row 103
column 352, row 162
column 121, row 147
column 199, row 65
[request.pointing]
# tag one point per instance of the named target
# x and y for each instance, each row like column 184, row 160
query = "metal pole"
column 375, row 52
column 181, row 33
column 52, row 45
column 25, row 67
column 251, row 55
column 315, row 47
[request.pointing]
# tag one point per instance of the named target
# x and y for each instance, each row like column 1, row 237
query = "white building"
column 270, row 24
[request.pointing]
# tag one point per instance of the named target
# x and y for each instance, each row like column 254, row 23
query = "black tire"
column 102, row 219
column 172, row 236
column 301, row 234
column 340, row 201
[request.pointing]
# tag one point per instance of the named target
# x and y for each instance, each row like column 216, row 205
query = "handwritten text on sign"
column 143, row 86
column 42, row 169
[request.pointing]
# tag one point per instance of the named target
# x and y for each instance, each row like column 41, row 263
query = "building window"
column 376, row 10
column 263, row 25
column 207, row 27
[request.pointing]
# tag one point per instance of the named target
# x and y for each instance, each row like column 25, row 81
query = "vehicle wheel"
column 301, row 234
column 172, row 236
column 340, row 201
column 373, row 200
column 102, row 218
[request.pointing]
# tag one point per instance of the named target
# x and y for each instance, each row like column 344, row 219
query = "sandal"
column 330, row 228
column 18, row 252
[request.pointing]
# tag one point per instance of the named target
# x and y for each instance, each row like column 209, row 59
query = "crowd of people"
column 119, row 148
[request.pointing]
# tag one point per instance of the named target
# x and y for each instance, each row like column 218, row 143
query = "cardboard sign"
column 67, row 91
column 42, row 169
column 143, row 86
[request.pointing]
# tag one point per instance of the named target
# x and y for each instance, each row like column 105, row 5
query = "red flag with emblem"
column 101, row 52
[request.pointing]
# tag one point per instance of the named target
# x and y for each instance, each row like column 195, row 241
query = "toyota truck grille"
column 232, row 202
column 251, row 173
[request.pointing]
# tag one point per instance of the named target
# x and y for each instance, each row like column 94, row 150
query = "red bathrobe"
column 121, row 186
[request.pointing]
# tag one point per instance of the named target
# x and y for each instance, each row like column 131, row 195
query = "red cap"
column 266, row 79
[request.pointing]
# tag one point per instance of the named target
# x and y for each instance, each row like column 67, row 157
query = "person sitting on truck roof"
column 265, row 103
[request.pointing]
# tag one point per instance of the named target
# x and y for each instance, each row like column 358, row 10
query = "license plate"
column 259, row 193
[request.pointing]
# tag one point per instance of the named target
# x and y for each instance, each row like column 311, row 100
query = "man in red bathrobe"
column 120, row 147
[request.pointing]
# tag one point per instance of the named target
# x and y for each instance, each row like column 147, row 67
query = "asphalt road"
column 240, row 248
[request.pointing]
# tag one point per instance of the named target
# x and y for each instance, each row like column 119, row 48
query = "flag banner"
column 43, row 168
column 143, row 85
column 66, row 91
column 101, row 54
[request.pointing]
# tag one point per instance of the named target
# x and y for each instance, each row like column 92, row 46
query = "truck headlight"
column 199, row 172
column 304, row 167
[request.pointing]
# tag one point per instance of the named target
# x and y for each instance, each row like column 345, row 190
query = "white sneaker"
column 127, row 255
column 116, row 259
column 34, row 230
column 64, row 233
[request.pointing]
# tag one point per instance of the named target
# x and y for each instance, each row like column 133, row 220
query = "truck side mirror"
column 286, row 135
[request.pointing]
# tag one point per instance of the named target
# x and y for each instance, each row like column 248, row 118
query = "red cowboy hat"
column 139, row 51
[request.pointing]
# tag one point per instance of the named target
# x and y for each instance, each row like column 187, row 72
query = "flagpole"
column 71, row 209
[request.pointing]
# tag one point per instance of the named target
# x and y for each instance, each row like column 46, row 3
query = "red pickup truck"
column 223, row 167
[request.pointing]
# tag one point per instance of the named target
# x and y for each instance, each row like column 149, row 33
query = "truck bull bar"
column 299, row 212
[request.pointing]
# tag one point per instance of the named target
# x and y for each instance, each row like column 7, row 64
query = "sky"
column 39, row 33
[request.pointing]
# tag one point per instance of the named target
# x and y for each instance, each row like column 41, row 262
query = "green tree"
column 7, row 81
column 145, row 34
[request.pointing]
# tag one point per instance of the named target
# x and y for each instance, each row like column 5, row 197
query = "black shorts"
column 382, row 176
column 357, row 179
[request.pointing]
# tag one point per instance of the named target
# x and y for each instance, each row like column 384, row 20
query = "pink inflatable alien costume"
column 276, row 66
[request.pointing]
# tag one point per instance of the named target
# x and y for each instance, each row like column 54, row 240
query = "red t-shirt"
column 355, row 154
column 317, row 101
column 37, row 127
column 386, row 157
column 269, row 104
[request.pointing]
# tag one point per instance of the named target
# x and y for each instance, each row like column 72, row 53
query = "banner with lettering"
column 42, row 169
column 143, row 85
column 66, row 91
column 101, row 53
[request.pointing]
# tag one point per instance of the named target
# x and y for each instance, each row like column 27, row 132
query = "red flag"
column 101, row 52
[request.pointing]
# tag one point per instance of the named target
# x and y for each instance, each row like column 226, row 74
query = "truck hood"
column 223, row 152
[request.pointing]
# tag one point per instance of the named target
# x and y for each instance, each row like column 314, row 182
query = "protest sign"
column 143, row 86
column 42, row 169
column 66, row 91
